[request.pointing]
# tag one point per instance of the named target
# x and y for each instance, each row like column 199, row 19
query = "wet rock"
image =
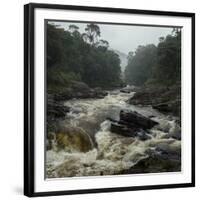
column 151, row 116
column 143, row 135
column 154, row 164
column 123, row 130
column 129, row 89
column 169, row 107
column 163, row 107
column 176, row 135
column 73, row 139
column 164, row 158
column 55, row 111
column 125, row 90
column 50, row 140
column 132, row 124
column 174, row 132
column 136, row 120
column 64, row 95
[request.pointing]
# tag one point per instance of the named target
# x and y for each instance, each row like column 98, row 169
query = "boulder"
column 163, row 107
column 123, row 130
column 129, row 89
column 55, row 109
column 169, row 107
column 73, row 139
column 134, row 119
column 154, row 164
column 143, row 135
column 125, row 90
column 164, row 158
column 174, row 132
column 132, row 124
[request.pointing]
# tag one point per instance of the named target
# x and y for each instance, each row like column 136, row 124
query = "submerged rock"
column 73, row 139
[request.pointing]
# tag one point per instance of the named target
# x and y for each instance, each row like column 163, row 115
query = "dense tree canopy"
column 156, row 65
column 84, row 57
column 140, row 64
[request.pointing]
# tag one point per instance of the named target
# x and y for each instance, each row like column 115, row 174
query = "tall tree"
column 92, row 33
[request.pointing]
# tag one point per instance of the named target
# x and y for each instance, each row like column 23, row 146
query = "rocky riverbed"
column 106, row 133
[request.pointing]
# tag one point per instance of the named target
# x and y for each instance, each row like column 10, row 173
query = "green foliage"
column 159, row 65
column 140, row 64
column 168, row 68
column 75, row 56
column 92, row 33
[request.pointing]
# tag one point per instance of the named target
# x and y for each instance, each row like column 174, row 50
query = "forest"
column 86, row 57
column 156, row 65
column 75, row 56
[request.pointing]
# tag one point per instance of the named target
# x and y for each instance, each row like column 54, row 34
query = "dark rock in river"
column 55, row 111
column 154, row 164
column 162, row 159
column 123, row 130
column 170, row 106
column 143, row 135
column 129, row 89
column 132, row 124
column 163, row 107
column 137, row 120
column 174, row 132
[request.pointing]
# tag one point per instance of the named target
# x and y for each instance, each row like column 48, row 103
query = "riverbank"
column 165, row 99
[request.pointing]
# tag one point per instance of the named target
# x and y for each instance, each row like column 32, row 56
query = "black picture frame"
column 29, row 95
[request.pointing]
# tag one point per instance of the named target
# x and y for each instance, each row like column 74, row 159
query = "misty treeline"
column 156, row 65
column 74, row 56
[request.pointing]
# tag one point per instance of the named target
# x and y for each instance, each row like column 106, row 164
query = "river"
column 111, row 153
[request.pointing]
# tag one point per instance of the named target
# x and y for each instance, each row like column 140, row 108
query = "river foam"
column 112, row 153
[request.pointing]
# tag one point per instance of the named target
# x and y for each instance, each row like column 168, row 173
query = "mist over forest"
column 86, row 57
column 74, row 56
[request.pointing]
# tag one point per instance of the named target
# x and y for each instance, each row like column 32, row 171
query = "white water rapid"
column 111, row 153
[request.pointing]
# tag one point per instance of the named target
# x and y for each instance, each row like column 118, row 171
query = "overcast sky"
column 125, row 38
